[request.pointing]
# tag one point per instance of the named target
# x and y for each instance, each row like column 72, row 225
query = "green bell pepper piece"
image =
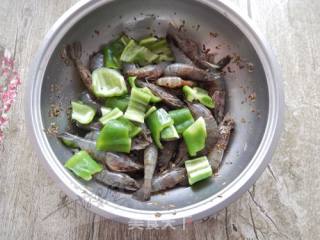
column 153, row 98
column 165, row 58
column 196, row 93
column 134, row 53
column 146, row 42
column 107, row 82
column 182, row 119
column 69, row 143
column 138, row 105
column 157, row 121
column 112, row 52
column 195, row 136
column 169, row 133
column 105, row 110
column 114, row 114
column 134, row 130
column 114, row 136
column 198, row 169
column 125, row 40
column 82, row 113
column 158, row 46
column 150, row 110
column 118, row 102
column 132, row 83
column 82, row 165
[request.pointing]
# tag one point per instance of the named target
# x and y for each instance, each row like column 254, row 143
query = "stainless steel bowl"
column 95, row 23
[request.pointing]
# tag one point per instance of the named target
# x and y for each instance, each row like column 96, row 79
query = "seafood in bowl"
column 128, row 100
column 253, row 100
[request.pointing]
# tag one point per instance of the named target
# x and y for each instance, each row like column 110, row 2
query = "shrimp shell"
column 74, row 52
column 169, row 179
column 148, row 72
column 186, row 71
column 173, row 82
column 117, row 180
column 167, row 97
column 114, row 161
column 225, row 128
column 150, row 161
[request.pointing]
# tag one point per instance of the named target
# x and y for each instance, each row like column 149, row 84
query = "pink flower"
column 9, row 82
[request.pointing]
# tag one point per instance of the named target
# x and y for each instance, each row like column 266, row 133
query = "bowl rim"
column 195, row 211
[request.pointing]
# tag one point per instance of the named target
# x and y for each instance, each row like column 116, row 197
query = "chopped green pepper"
column 107, row 82
column 153, row 98
column 182, row 119
column 157, row 121
column 165, row 58
column 69, row 143
column 118, row 102
column 132, row 83
column 134, row 53
column 198, row 169
column 114, row 114
column 150, row 110
column 158, row 46
column 169, row 133
column 134, row 130
column 112, row 52
column 138, row 105
column 105, row 110
column 195, row 136
column 82, row 113
column 114, row 136
column 147, row 41
column 125, row 39
column 199, row 94
column 83, row 165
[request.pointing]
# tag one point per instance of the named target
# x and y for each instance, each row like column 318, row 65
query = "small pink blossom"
column 9, row 82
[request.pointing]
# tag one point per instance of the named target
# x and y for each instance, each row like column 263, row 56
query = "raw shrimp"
column 149, row 72
column 169, row 179
column 198, row 110
column 167, row 97
column 150, row 161
column 114, row 161
column 225, row 128
column 117, row 180
column 166, row 154
column 74, row 52
column 173, row 82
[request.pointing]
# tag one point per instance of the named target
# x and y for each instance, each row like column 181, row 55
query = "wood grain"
column 283, row 204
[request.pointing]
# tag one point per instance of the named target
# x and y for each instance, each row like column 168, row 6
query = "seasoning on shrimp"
column 216, row 154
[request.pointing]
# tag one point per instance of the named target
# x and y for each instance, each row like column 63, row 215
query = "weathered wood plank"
column 283, row 204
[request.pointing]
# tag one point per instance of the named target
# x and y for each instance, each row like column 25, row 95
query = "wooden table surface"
column 283, row 204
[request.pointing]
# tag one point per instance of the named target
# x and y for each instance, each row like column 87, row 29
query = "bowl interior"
column 139, row 18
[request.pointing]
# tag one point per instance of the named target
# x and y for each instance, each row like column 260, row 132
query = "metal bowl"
column 258, row 122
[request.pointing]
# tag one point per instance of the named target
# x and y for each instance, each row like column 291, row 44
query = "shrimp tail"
column 74, row 51
column 143, row 194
